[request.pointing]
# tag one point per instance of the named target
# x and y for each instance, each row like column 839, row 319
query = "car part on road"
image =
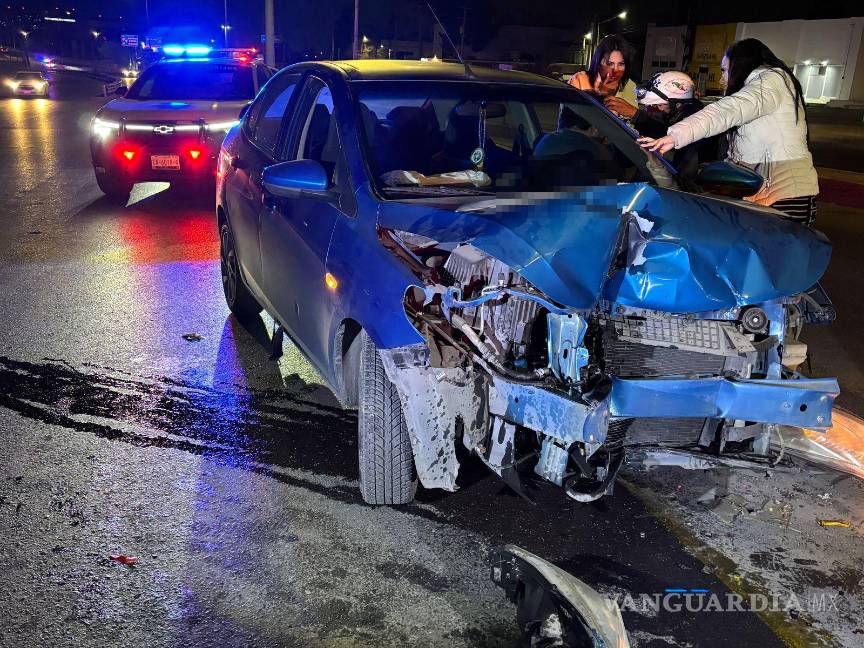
column 386, row 462
column 554, row 608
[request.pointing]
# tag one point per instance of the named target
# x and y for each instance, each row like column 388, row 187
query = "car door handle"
column 238, row 163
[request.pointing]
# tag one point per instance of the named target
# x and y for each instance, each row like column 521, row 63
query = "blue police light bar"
column 188, row 50
column 197, row 50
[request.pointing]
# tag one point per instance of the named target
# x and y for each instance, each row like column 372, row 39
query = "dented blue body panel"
column 690, row 253
column 801, row 403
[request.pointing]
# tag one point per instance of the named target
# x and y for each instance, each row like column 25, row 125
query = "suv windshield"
column 29, row 76
column 194, row 81
column 493, row 138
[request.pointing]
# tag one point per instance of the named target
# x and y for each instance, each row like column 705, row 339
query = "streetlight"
column 595, row 27
column 96, row 34
column 225, row 29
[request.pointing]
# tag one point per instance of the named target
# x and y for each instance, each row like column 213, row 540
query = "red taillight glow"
column 194, row 153
column 129, row 155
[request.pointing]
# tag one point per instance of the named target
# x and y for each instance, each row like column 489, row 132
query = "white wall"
column 797, row 41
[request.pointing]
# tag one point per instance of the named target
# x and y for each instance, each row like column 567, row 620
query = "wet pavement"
column 232, row 479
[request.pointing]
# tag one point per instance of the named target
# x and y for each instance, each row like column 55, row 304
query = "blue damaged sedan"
column 486, row 262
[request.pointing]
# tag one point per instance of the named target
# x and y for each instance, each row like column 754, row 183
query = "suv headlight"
column 102, row 128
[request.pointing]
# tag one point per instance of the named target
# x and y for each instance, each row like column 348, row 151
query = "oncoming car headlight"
column 102, row 128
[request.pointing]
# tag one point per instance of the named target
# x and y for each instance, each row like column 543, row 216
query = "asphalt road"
column 231, row 478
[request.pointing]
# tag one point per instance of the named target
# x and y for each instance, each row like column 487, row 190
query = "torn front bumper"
column 799, row 403
column 442, row 405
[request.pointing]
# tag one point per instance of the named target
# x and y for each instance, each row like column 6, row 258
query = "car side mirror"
column 289, row 179
column 121, row 91
column 728, row 179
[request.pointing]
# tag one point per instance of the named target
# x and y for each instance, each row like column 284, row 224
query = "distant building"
column 827, row 56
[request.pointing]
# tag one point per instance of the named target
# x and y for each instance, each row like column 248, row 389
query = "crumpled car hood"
column 689, row 253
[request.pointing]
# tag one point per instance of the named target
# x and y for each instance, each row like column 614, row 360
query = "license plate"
column 165, row 162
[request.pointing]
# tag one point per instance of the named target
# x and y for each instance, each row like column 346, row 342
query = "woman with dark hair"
column 765, row 113
column 609, row 72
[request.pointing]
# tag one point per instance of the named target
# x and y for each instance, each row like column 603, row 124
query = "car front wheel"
column 387, row 474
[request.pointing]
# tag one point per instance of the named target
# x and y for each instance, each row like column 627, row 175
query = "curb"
column 844, row 188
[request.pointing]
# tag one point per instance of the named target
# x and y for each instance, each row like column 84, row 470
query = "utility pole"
column 462, row 38
column 356, row 50
column 269, row 36
column 225, row 22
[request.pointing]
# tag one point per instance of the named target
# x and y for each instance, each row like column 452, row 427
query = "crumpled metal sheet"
column 433, row 400
column 803, row 403
column 696, row 253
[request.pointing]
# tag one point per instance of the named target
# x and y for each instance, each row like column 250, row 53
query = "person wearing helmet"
column 666, row 99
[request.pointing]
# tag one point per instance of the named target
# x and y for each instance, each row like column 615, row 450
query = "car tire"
column 240, row 301
column 113, row 187
column 387, row 474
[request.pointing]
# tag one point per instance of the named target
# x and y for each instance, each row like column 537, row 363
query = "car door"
column 255, row 149
column 296, row 231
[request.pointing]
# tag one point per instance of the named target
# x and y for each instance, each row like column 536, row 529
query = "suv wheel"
column 113, row 187
column 240, row 301
column 387, row 474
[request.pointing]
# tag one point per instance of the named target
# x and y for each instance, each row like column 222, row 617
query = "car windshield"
column 29, row 76
column 425, row 137
column 198, row 81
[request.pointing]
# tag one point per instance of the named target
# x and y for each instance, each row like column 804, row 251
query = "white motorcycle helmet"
column 665, row 87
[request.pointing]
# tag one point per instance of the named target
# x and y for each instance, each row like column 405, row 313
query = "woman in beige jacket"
column 764, row 111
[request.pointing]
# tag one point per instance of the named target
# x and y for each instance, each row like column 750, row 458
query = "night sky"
column 314, row 24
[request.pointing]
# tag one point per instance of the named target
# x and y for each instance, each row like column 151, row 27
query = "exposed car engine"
column 477, row 312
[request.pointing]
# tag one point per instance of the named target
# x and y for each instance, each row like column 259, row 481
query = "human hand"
column 620, row 107
column 660, row 145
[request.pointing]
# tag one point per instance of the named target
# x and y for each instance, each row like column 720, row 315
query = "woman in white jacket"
column 764, row 111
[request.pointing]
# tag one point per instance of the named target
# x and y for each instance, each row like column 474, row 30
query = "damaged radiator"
column 651, row 347
column 674, row 432
column 654, row 347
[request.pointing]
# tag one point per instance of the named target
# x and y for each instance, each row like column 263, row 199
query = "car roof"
column 389, row 70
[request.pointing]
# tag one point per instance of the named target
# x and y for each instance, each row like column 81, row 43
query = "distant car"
column 26, row 84
column 171, row 121
column 488, row 260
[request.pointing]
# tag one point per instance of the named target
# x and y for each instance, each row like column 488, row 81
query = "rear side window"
column 194, row 81
column 268, row 112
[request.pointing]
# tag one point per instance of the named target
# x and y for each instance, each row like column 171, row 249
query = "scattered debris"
column 192, row 337
column 773, row 512
column 554, row 608
column 795, row 614
column 730, row 507
column 123, row 559
column 708, row 496
column 835, row 523
column 825, row 496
